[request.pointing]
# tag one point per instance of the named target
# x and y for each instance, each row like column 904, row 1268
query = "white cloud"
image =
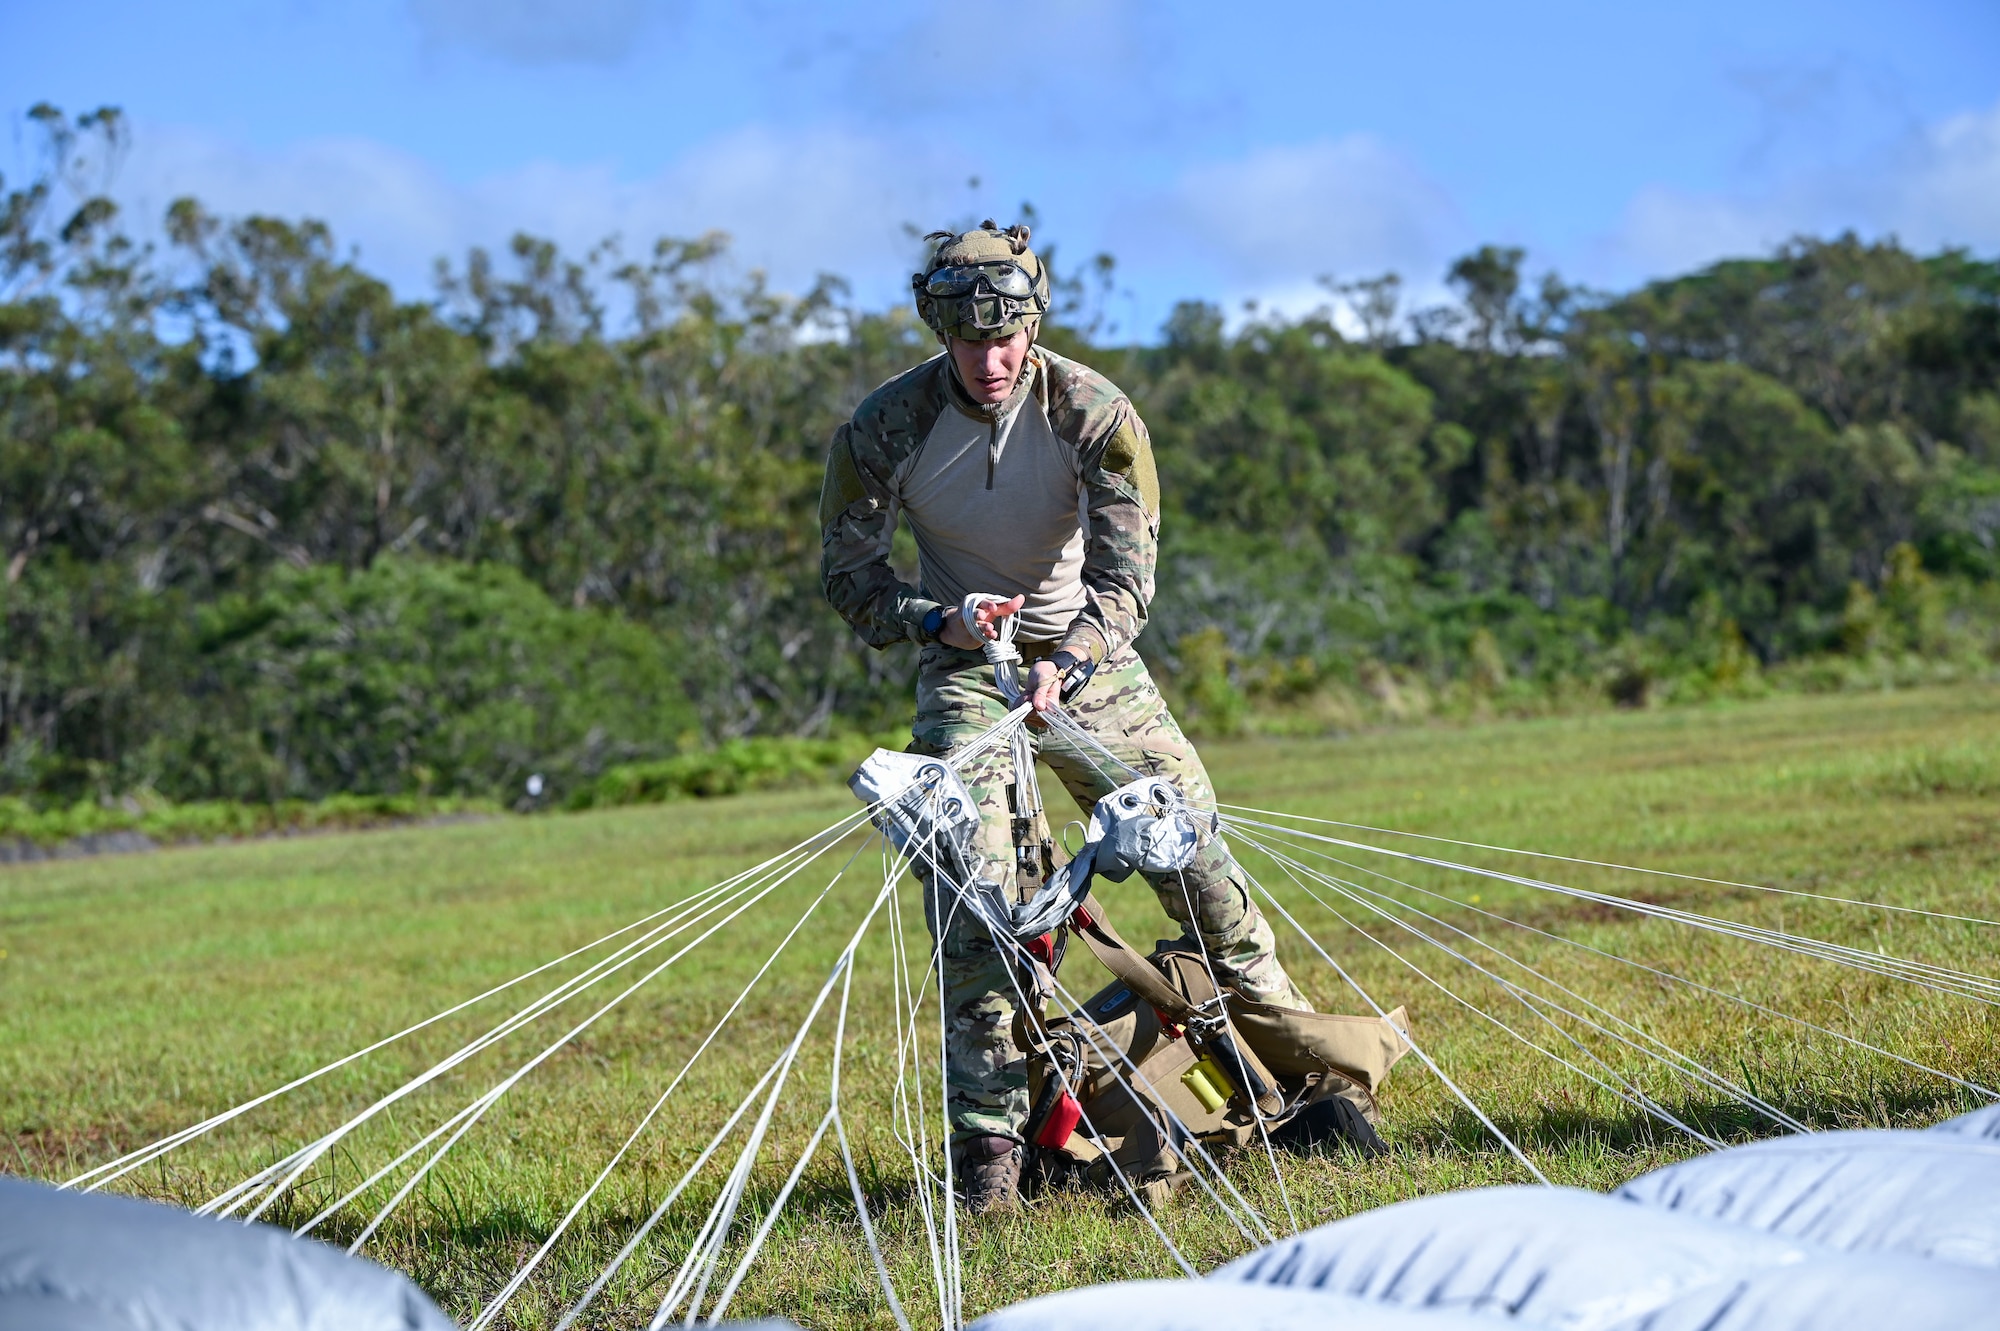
column 1939, row 185
column 390, row 203
column 1952, row 194
column 1281, row 216
column 535, row 32
column 795, row 203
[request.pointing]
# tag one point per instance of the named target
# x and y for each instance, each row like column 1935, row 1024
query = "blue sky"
column 1223, row 152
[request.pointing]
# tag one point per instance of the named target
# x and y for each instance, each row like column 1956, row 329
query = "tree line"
column 271, row 532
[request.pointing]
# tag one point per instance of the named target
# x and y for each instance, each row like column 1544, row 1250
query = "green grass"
column 140, row 993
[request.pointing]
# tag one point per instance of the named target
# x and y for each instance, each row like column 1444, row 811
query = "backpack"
column 1158, row 1055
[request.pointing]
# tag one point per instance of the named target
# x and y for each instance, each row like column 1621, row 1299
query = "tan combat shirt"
column 1071, row 520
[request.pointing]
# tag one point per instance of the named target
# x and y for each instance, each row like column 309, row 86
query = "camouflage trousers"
column 987, row 1084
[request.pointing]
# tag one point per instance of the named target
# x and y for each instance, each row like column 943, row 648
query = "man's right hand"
column 969, row 638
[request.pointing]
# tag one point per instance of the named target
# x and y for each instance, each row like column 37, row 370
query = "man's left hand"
column 1044, row 685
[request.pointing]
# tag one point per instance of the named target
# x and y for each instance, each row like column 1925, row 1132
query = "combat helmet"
column 981, row 285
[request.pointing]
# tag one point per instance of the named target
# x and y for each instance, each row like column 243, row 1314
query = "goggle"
column 1003, row 279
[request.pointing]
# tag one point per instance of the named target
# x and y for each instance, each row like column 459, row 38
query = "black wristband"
column 1073, row 671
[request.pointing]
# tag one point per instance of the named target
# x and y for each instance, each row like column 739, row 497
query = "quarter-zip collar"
column 992, row 413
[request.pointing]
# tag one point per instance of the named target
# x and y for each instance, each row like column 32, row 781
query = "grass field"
column 141, row 993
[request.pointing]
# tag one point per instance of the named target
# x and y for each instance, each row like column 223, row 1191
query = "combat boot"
column 989, row 1172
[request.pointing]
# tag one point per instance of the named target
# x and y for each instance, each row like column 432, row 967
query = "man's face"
column 988, row 369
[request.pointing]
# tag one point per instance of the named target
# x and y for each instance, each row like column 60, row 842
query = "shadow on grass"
column 1559, row 1128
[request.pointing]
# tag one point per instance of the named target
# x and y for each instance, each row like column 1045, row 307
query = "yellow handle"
column 1207, row 1083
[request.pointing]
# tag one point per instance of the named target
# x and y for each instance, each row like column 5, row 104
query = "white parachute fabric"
column 1823, row 1231
column 1979, row 1123
column 72, row 1261
column 1920, row 1194
column 1188, row 1305
column 1551, row 1256
column 1835, row 1294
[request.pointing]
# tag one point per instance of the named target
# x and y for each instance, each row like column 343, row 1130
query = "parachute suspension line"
column 908, row 1101
column 1408, row 1039
column 756, row 1244
column 666, row 1203
column 1629, row 1094
column 491, row 1311
column 1627, row 1091
column 1738, row 999
column 287, row 1170
column 303, row 1160
column 952, row 1292
column 951, row 1306
column 501, row 1088
column 1672, row 1056
column 92, row 1179
column 1077, row 732
column 867, row 1226
column 1178, row 1141
column 909, row 1124
column 701, row 1252
column 840, row 1132
column 690, row 909
column 1080, row 735
column 1664, row 1052
column 1925, row 975
column 784, row 1193
column 1959, row 983
column 1623, row 868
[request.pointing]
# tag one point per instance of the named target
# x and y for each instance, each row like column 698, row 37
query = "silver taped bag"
column 1144, row 825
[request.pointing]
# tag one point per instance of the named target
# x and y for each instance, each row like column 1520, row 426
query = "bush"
column 1210, row 702
column 219, row 820
column 415, row 677
column 732, row 768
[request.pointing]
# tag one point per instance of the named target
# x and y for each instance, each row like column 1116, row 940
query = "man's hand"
column 1044, row 687
column 968, row 638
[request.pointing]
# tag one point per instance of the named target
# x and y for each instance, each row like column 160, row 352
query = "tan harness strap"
column 1118, row 957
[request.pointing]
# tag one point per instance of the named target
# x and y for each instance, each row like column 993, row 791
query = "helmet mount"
column 981, row 285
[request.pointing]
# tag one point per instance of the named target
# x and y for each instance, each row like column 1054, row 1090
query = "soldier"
column 1027, row 475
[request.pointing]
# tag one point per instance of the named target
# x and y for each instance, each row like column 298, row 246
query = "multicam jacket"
column 1120, row 498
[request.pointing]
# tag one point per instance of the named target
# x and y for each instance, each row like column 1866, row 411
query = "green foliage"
column 1285, row 433
column 731, row 768
column 412, row 676
column 1207, row 699
column 259, row 512
column 221, row 820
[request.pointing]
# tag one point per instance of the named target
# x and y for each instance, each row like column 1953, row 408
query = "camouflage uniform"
column 957, row 696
